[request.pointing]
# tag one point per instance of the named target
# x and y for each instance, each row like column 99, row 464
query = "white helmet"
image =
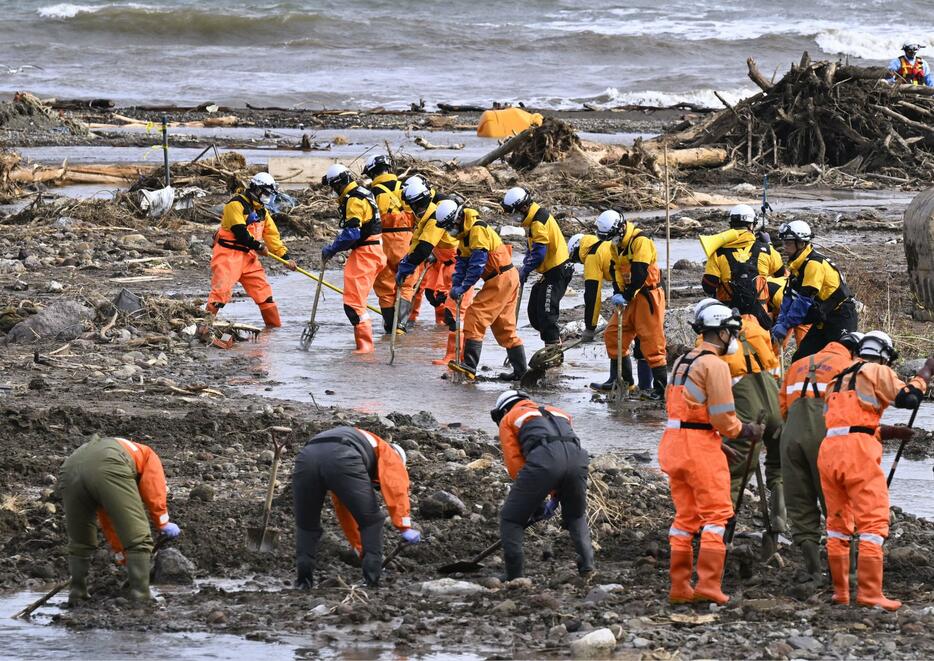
column 911, row 45
column 375, row 163
column 515, row 199
column 796, row 230
column 609, row 224
column 711, row 314
column 336, row 173
column 506, row 401
column 876, row 344
column 851, row 340
column 415, row 190
column 447, row 214
column 263, row 182
column 401, row 452
column 742, row 214
column 574, row 243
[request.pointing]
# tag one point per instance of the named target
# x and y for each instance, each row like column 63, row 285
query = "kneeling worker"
column 543, row 455
column 348, row 462
column 117, row 482
column 701, row 413
column 247, row 231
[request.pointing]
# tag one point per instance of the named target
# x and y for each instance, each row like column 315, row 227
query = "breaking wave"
column 868, row 45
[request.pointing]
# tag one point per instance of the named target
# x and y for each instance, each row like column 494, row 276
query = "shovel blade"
column 768, row 548
column 308, row 336
column 460, row 567
column 532, row 377
column 257, row 541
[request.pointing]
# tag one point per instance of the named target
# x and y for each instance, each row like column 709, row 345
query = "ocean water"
column 355, row 54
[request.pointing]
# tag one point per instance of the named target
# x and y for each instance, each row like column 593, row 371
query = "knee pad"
column 449, row 320
column 352, row 315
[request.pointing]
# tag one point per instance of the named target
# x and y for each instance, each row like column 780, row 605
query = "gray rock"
column 55, row 287
column 202, row 492
column 449, row 587
column 134, row 242
column 441, row 505
column 175, row 243
column 806, row 643
column 845, row 641
column 454, row 454
column 640, row 643
column 11, row 266
column 66, row 222
column 171, row 567
column 597, row 643
column 126, row 372
column 505, row 607
column 63, row 320
column 32, row 263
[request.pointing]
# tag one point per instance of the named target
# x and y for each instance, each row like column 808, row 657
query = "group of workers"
column 726, row 399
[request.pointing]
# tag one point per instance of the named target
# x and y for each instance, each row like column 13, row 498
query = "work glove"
column 326, row 253
column 263, row 251
column 524, row 275
column 411, row 536
column 732, row 454
column 551, row 506
column 404, row 270
column 457, row 292
column 171, row 530
column 890, row 432
column 752, row 430
column 779, row 331
column 619, row 299
column 588, row 334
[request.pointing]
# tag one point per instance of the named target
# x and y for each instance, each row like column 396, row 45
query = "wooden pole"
column 667, row 228
column 165, row 149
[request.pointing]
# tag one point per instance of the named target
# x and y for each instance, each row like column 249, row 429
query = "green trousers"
column 752, row 394
column 801, row 438
column 101, row 475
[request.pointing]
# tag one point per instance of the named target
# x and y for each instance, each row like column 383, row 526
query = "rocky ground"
column 81, row 365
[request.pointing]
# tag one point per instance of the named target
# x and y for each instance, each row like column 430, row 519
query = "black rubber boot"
column 137, row 567
column 387, row 318
column 812, row 563
column 470, row 360
column 78, row 568
column 405, row 309
column 660, row 377
column 607, row 385
column 519, row 366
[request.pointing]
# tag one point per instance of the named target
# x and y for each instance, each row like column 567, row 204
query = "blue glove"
column 170, row 530
column 457, row 292
column 524, row 275
column 411, row 536
column 326, row 253
column 779, row 331
column 619, row 299
column 404, row 270
column 551, row 505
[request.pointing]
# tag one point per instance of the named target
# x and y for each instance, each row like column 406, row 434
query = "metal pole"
column 667, row 228
column 165, row 149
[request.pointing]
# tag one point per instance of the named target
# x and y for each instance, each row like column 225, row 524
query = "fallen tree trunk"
column 695, row 157
column 756, row 76
column 503, row 149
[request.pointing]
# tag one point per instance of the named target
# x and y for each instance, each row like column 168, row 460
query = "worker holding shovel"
column 117, row 483
column 350, row 463
column 544, row 457
column 246, row 232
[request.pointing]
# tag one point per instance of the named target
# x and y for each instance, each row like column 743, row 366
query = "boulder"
column 171, row 567
column 63, row 320
column 134, row 242
column 596, row 644
column 441, row 505
column 449, row 587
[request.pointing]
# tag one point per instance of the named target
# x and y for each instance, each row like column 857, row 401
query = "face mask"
column 266, row 199
column 732, row 347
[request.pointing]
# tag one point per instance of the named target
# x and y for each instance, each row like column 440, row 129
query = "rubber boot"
column 137, row 568
column 363, row 336
column 812, row 565
column 682, row 565
column 869, row 584
column 777, row 509
column 607, row 385
column 470, row 360
column 406, row 319
column 645, row 374
column 840, row 574
column 660, row 377
column 387, row 314
column 516, row 357
column 78, row 568
column 270, row 312
column 710, row 575
column 449, row 353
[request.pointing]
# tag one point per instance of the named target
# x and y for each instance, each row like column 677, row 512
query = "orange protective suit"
column 852, row 479
column 234, row 261
column 700, row 408
column 152, row 491
column 494, row 307
column 398, row 223
column 638, row 276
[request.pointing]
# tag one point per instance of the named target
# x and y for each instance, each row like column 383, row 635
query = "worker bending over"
column 349, row 462
column 482, row 255
column 247, row 231
column 700, row 414
column 849, row 463
column 816, row 294
column 642, row 301
column 801, row 399
column 361, row 234
column 544, row 457
column 547, row 254
column 116, row 483
column 397, row 222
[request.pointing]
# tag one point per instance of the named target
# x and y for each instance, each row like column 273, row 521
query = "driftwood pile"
column 824, row 116
column 552, row 141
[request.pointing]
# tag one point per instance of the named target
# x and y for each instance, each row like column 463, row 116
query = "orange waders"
column 232, row 263
column 360, row 272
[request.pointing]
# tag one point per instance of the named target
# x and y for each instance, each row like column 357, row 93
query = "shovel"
column 263, row 539
column 394, row 329
column 458, row 375
column 901, row 447
column 620, row 390
column 472, row 565
column 321, row 280
column 545, row 359
column 308, row 335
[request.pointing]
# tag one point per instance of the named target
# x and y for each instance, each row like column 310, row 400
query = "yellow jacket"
column 543, row 229
column 769, row 263
column 235, row 214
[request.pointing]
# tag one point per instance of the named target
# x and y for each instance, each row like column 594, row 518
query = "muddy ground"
column 144, row 378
